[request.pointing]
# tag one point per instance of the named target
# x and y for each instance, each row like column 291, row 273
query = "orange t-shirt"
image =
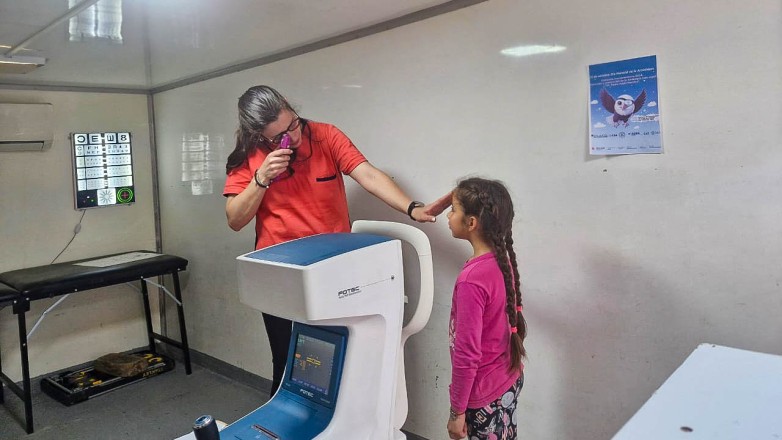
column 312, row 200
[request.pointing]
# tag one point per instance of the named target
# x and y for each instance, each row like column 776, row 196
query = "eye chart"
column 103, row 169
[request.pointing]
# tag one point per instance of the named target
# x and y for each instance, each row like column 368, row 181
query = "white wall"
column 37, row 219
column 627, row 262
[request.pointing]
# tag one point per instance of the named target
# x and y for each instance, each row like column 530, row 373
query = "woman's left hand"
column 429, row 213
column 438, row 206
column 457, row 428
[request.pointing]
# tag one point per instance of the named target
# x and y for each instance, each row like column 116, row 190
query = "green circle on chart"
column 124, row 195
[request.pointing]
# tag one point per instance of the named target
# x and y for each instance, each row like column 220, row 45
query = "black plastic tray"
column 77, row 385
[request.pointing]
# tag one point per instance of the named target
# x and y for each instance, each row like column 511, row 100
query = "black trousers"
column 279, row 332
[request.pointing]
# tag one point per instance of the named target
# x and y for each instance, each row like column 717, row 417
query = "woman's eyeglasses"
column 278, row 138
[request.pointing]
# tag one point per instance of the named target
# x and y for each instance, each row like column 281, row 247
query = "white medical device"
column 345, row 293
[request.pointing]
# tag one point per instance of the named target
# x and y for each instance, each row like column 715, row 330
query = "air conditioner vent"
column 25, row 127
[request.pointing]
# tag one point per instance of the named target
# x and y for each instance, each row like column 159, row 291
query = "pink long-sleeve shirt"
column 479, row 336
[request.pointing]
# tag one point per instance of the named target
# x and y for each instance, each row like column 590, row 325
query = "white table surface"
column 718, row 393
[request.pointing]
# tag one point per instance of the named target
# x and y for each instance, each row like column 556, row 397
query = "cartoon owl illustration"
column 622, row 107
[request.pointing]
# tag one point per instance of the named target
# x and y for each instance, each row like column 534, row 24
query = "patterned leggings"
column 497, row 420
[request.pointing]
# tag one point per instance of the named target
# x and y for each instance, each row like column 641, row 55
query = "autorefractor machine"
column 345, row 293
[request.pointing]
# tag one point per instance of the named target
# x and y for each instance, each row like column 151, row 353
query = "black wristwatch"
column 414, row 204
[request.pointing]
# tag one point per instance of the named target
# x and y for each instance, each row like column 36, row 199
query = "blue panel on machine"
column 310, row 250
column 304, row 405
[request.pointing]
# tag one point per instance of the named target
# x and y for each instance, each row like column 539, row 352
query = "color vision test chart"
column 103, row 169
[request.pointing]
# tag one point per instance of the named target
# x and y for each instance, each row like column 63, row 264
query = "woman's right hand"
column 241, row 208
column 275, row 163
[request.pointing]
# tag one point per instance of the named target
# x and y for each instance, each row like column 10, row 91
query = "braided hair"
column 259, row 106
column 490, row 202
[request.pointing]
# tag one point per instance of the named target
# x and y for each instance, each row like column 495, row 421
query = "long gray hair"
column 259, row 106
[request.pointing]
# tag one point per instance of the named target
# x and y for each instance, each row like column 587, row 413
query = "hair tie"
column 514, row 330
column 518, row 308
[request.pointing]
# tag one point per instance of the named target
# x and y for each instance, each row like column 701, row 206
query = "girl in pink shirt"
column 487, row 328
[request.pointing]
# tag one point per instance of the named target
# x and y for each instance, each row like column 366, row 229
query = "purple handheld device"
column 286, row 140
column 284, row 143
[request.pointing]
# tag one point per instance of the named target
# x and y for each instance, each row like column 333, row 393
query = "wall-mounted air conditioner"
column 25, row 127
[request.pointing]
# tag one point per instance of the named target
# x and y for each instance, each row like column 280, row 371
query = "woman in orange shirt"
column 286, row 173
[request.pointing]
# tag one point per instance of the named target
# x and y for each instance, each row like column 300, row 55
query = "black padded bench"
column 20, row 287
column 7, row 294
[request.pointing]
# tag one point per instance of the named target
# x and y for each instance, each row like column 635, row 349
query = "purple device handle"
column 284, row 143
column 286, row 140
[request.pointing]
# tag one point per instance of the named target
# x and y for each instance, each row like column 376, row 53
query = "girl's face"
column 457, row 222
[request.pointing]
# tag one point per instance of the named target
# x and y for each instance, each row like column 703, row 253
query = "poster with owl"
column 624, row 115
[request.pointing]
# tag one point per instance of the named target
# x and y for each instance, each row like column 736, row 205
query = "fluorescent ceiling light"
column 532, row 49
column 20, row 64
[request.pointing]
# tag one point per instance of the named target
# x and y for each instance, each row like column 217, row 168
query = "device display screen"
column 313, row 363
